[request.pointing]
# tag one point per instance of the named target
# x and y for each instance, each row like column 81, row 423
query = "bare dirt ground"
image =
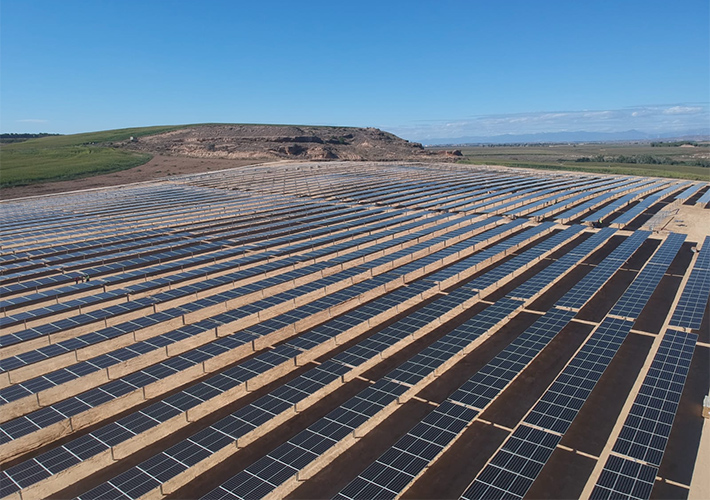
column 691, row 220
column 700, row 486
column 158, row 168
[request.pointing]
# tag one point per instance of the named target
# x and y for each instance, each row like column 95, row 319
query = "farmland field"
column 568, row 157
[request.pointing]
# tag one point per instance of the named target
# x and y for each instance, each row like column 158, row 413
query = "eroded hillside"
column 279, row 142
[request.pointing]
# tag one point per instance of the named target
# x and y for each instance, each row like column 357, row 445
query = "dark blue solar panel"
column 648, row 426
column 635, row 297
column 694, row 299
column 562, row 401
column 623, row 478
column 592, row 282
column 513, row 469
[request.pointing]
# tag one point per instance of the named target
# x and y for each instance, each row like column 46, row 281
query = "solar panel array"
column 610, row 208
column 516, row 465
column 689, row 192
column 704, row 200
column 643, row 205
column 638, row 451
column 691, row 308
column 151, row 333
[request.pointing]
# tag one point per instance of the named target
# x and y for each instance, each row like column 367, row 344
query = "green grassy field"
column 69, row 157
column 566, row 156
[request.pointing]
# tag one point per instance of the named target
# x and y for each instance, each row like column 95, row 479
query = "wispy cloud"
column 683, row 110
column 32, row 120
column 649, row 119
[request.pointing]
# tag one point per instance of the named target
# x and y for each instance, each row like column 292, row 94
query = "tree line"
column 659, row 144
column 12, row 137
column 644, row 159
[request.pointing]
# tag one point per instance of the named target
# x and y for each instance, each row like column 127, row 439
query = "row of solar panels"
column 343, row 176
column 90, row 211
column 117, row 257
column 400, row 194
column 135, row 263
column 59, row 459
column 286, row 277
column 502, row 303
column 201, row 253
column 391, row 194
column 177, row 230
column 284, row 462
column 210, row 252
column 456, row 271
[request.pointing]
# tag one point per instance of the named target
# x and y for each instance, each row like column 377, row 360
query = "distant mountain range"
column 579, row 136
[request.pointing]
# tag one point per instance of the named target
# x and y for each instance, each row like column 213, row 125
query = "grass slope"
column 69, row 157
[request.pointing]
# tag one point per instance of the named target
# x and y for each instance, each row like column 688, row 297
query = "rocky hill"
column 279, row 142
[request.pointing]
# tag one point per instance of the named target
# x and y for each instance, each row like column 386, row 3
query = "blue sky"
column 420, row 69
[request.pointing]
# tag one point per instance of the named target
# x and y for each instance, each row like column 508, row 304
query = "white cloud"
column 649, row 119
column 682, row 110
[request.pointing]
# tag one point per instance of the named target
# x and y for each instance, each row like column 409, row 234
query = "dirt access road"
column 158, row 168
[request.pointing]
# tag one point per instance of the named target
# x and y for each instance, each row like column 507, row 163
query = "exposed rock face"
column 280, row 142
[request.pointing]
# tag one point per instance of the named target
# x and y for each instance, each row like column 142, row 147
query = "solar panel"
column 514, row 468
column 507, row 268
column 556, row 409
column 325, row 281
column 539, row 282
column 221, row 234
column 703, row 260
column 691, row 306
column 442, row 426
column 603, row 187
column 426, row 359
column 623, row 478
column 121, row 292
column 644, row 204
column 693, row 300
column 595, row 279
column 551, row 417
column 563, row 399
column 648, row 426
column 634, row 299
column 602, row 199
column 267, row 406
column 704, row 200
column 689, row 192
column 358, row 409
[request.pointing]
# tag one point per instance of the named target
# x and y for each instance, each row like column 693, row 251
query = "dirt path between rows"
column 157, row 168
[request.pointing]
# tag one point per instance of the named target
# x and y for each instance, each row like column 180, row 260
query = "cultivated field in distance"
column 356, row 330
column 675, row 159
